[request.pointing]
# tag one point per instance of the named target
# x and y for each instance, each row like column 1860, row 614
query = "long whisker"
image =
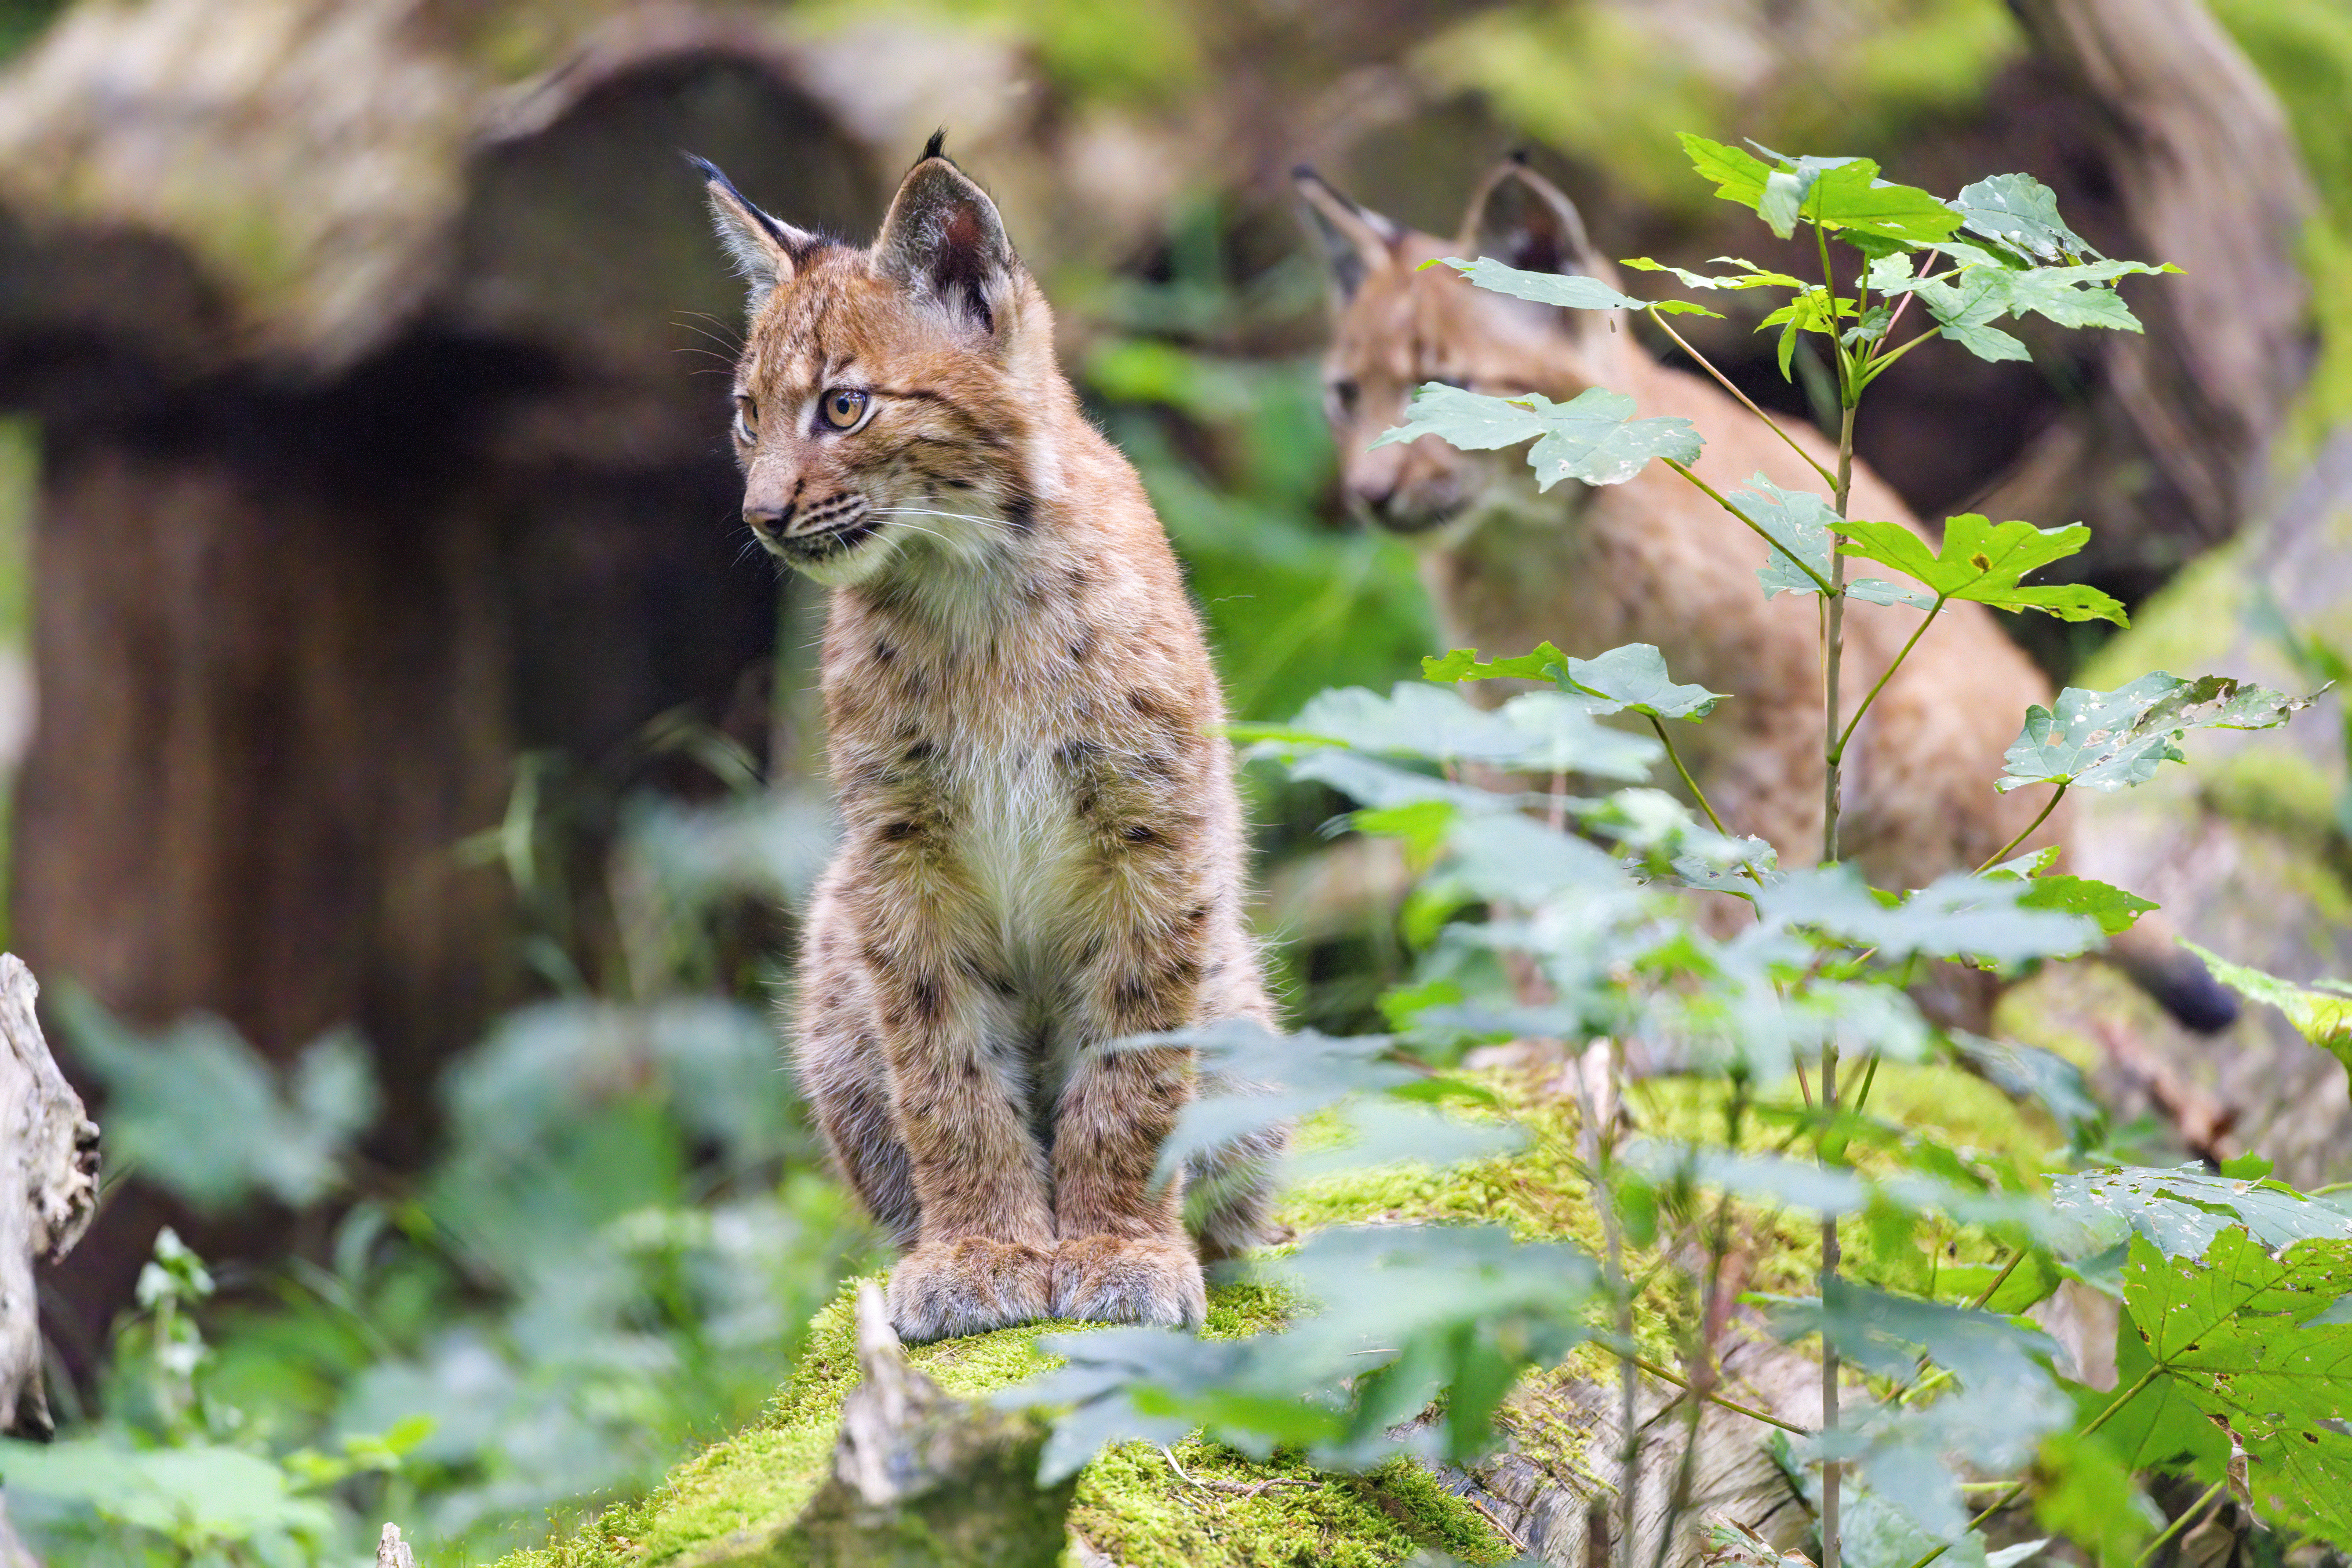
column 714, row 337
column 991, row 522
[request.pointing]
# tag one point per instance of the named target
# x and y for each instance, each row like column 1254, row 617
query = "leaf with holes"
column 1570, row 290
column 2181, row 1211
column 2021, row 212
column 2116, row 911
column 2113, row 739
column 1984, row 562
column 2234, row 1336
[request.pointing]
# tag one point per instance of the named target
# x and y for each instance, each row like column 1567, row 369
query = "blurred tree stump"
column 363, row 343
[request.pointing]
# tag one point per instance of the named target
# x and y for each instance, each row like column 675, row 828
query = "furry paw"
column 967, row 1285
column 1126, row 1279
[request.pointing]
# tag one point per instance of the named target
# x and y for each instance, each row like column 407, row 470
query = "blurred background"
column 411, row 772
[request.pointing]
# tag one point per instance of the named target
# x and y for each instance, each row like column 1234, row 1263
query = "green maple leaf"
column 2115, row 910
column 1983, row 560
column 1463, row 664
column 1799, row 524
column 1570, row 290
column 1593, row 436
column 1634, row 677
column 2109, row 740
column 2235, row 1337
column 2021, row 212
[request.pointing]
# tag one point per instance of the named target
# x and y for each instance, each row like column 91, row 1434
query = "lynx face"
column 1398, row 327
column 880, row 412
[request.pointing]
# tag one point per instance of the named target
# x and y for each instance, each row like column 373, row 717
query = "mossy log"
column 1549, row 1492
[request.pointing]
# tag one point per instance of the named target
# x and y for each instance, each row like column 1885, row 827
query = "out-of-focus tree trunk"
column 374, row 456
column 2170, row 455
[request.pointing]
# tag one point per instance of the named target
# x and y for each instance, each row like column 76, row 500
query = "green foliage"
column 200, row 1114
column 2320, row 1013
column 1562, row 926
column 1571, row 290
column 1983, row 560
column 2109, row 740
column 2240, row 1336
column 1593, row 436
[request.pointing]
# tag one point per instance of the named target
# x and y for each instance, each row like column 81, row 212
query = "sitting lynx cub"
column 1042, row 845
column 1654, row 560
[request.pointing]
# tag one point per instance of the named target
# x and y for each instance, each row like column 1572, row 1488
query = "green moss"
column 1133, row 1502
column 2272, row 788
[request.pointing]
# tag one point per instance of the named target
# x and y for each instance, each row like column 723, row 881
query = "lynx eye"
column 747, row 419
column 1344, row 394
column 843, row 407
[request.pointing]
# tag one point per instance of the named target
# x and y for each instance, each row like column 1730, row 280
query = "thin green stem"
column 1689, row 782
column 1745, row 401
column 1884, row 363
column 2002, row 854
column 1855, row 722
column 1717, row 497
column 1830, row 1474
column 1661, row 1374
column 2013, row 1493
column 1998, row 1280
column 2176, row 1527
column 1869, row 1076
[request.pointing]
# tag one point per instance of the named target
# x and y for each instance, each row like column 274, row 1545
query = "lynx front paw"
column 968, row 1286
column 1123, row 1280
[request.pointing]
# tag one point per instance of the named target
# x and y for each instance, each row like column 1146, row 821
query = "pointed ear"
column 766, row 250
column 1355, row 242
column 944, row 240
column 1522, row 220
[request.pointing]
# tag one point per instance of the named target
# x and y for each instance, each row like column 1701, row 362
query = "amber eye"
column 747, row 419
column 843, row 407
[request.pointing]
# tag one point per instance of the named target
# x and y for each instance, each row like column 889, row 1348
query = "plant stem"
column 2002, row 853
column 1689, row 782
column 1717, row 497
column 1855, row 722
column 1726, row 383
column 1869, row 1076
column 2175, row 1528
column 1655, row 1369
column 2013, row 1493
column 1829, row 1351
column 1702, row 1355
column 1833, row 653
column 1998, row 1280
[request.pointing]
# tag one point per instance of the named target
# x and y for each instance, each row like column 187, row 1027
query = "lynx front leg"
column 983, row 1251
column 1123, row 1254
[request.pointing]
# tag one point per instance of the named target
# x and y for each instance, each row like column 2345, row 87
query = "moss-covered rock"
column 1200, row 1503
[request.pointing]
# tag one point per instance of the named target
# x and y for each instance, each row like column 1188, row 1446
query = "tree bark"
column 48, row 1190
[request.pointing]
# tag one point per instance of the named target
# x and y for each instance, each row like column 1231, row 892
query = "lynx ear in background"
column 765, row 250
column 1522, row 220
column 945, row 239
column 1356, row 242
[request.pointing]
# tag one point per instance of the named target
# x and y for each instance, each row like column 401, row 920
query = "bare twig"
column 1246, row 1488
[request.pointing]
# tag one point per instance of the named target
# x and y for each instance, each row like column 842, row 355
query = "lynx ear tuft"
column 766, row 250
column 1522, row 220
column 945, row 240
column 1356, row 242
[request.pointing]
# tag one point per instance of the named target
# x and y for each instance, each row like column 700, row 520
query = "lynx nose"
column 768, row 519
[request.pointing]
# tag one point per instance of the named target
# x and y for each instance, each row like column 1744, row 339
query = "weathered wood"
column 391, row 1551
column 48, row 1190
column 922, row 1479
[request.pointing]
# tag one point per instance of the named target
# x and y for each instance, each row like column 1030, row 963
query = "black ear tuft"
column 1520, row 155
column 1354, row 240
column 944, row 238
column 937, row 147
column 766, row 250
